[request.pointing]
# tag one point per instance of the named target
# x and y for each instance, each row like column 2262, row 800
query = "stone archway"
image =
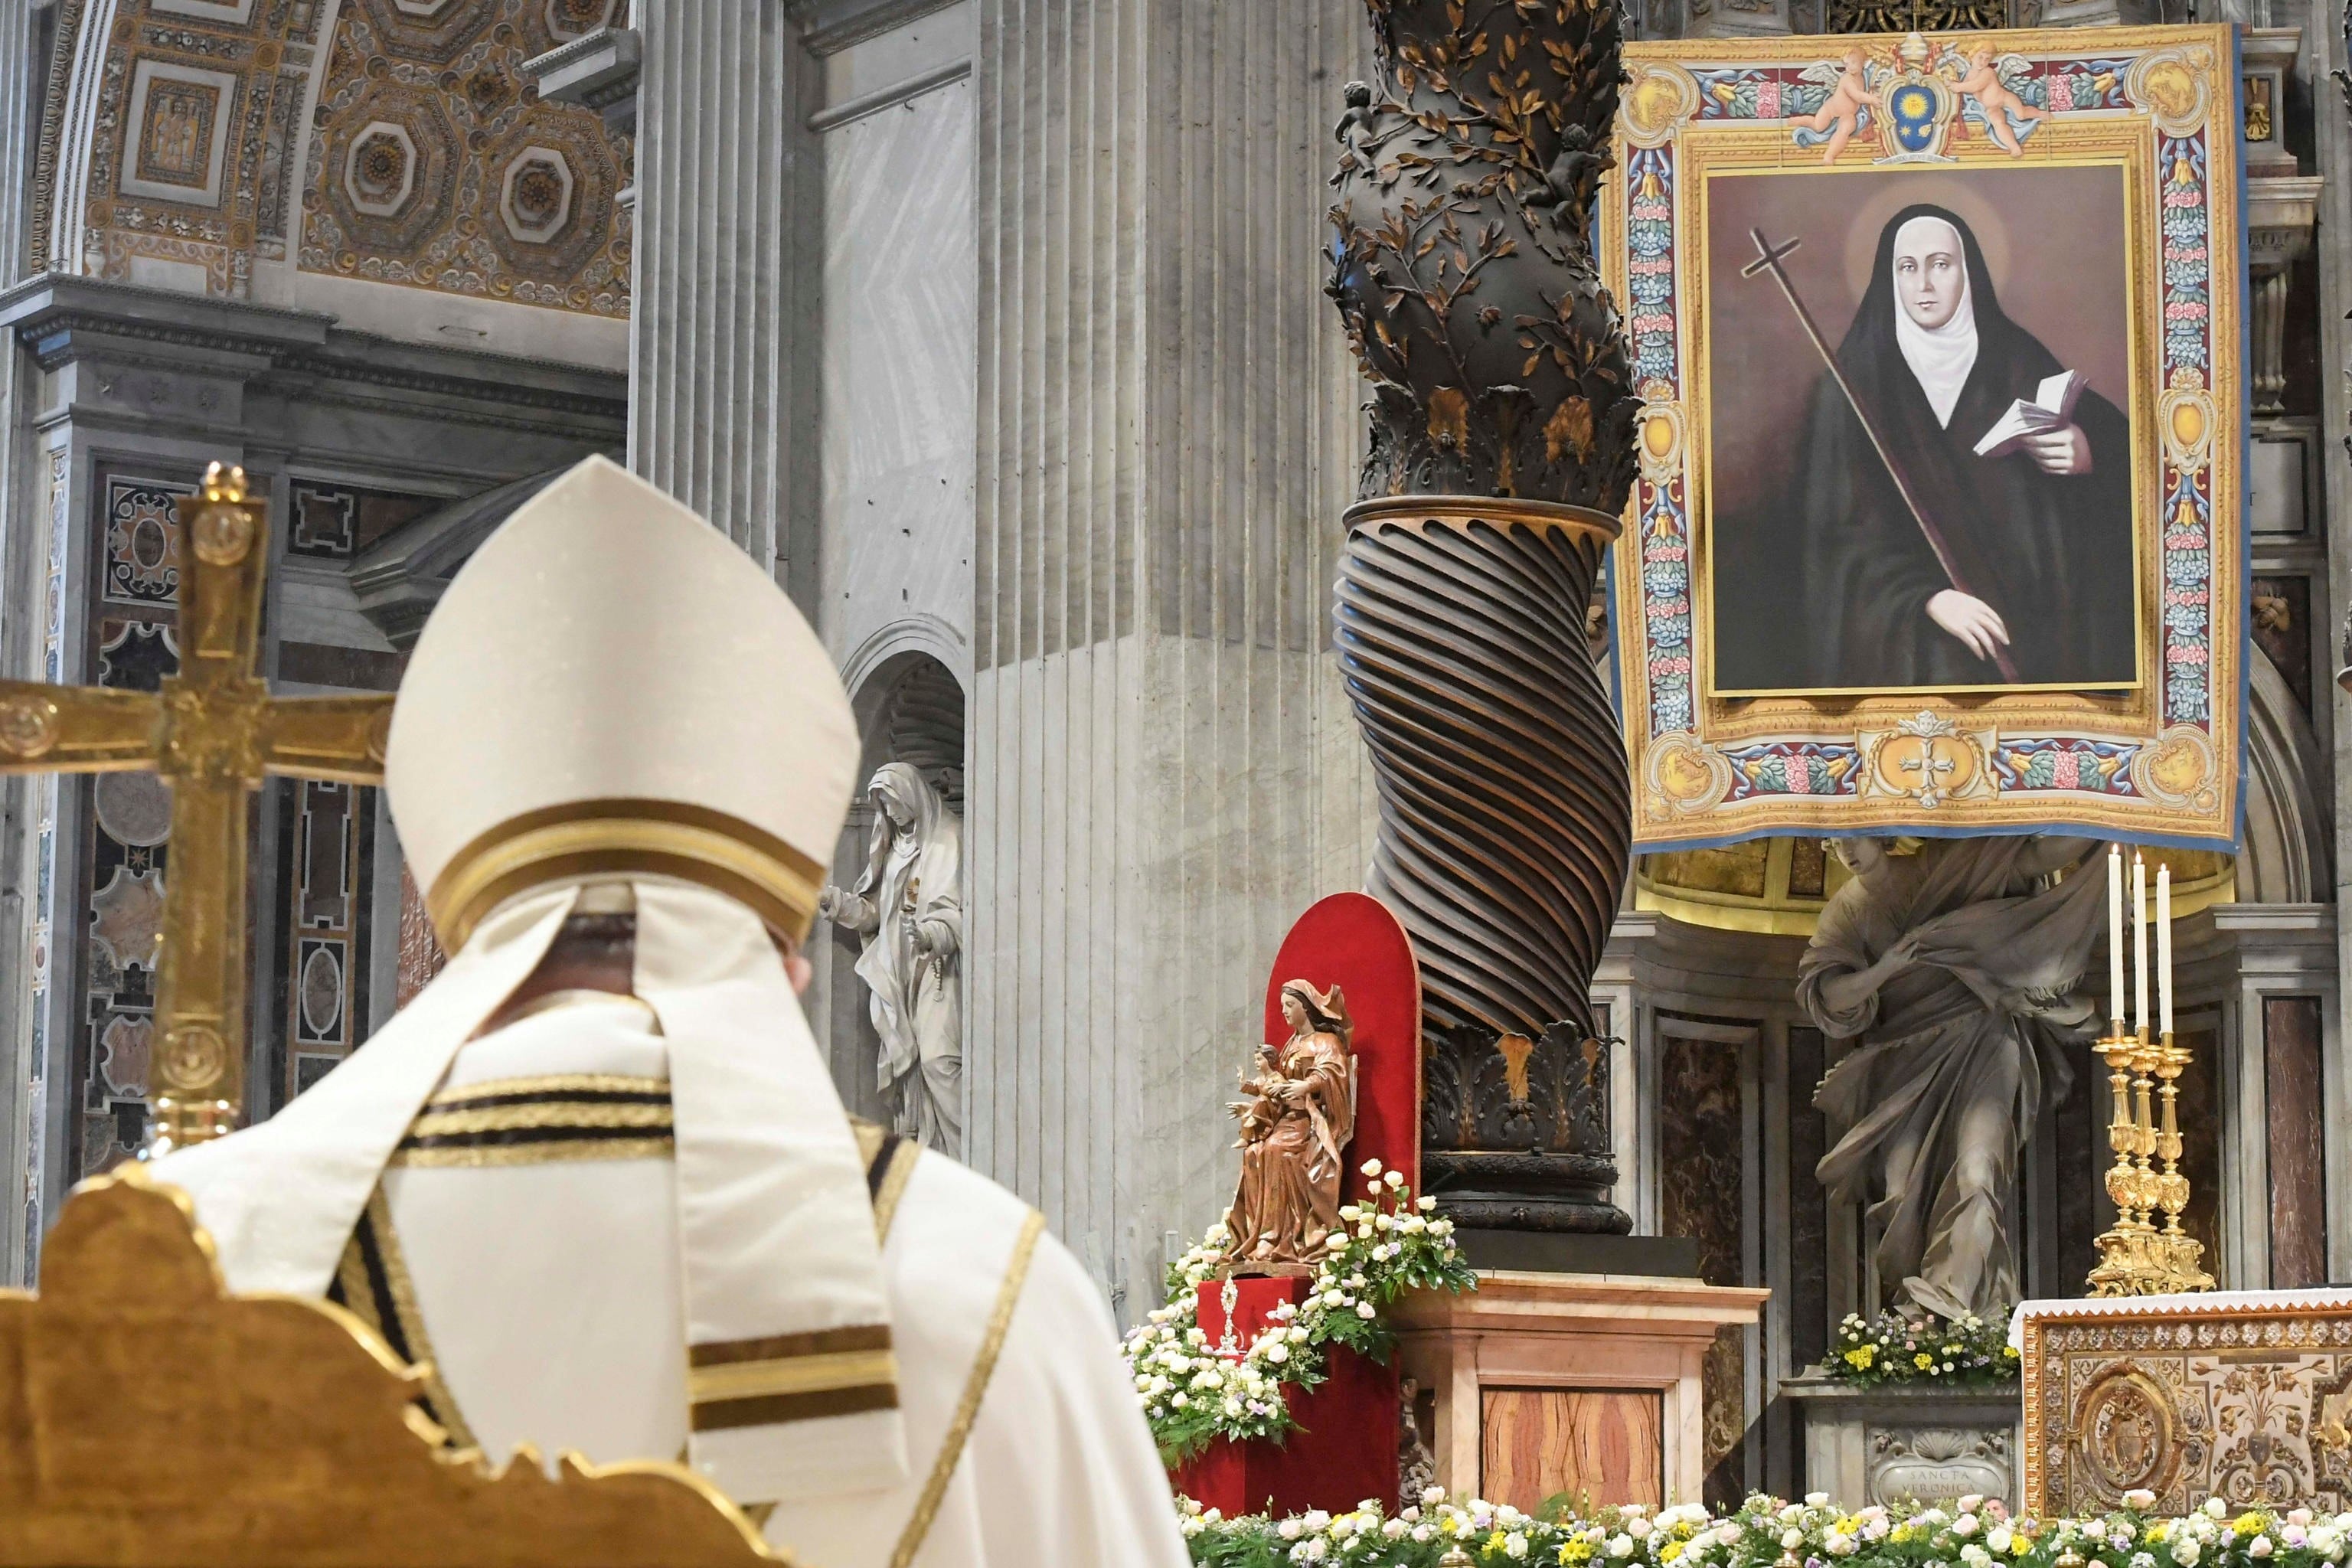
column 2285, row 856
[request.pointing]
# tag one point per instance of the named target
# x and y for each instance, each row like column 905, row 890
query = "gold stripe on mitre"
column 617, row 838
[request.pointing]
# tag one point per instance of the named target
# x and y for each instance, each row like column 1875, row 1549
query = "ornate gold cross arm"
column 213, row 732
column 77, row 729
column 340, row 738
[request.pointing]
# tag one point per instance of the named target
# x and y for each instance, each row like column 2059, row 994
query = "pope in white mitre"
column 596, row 1175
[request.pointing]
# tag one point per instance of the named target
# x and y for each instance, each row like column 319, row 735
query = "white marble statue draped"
column 908, row 910
column 1957, row 966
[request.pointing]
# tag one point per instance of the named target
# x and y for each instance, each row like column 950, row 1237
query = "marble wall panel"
column 1601, row 1447
column 1809, row 1225
column 898, row 379
column 2282, row 628
column 1703, row 1194
column 2199, row 1113
column 2297, row 1100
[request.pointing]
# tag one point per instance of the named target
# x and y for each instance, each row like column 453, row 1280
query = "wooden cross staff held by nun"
column 1768, row 259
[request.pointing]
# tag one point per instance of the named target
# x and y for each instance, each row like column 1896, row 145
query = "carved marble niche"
column 910, row 709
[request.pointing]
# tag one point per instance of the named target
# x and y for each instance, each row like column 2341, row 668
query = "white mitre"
column 604, row 588
column 576, row 711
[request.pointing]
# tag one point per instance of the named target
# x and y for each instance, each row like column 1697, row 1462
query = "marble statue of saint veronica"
column 1957, row 968
column 908, row 908
column 596, row 1173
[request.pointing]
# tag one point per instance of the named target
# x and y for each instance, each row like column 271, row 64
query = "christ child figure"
column 2000, row 105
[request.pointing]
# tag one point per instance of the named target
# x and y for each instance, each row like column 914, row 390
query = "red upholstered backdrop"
column 1352, row 940
column 1346, row 1449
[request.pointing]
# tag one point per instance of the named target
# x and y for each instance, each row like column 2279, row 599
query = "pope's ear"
column 797, row 969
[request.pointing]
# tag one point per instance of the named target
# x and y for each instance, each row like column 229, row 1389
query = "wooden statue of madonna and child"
column 1294, row 1126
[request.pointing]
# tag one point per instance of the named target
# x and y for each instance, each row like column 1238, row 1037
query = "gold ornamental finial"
column 224, row 484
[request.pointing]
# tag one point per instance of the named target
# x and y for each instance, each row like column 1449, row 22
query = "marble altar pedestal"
column 1535, row 1385
column 1901, row 1444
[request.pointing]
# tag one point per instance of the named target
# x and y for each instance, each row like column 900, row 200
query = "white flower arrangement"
column 1766, row 1532
column 1193, row 1393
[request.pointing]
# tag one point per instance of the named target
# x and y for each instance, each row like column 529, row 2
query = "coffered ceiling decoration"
column 505, row 196
column 188, row 143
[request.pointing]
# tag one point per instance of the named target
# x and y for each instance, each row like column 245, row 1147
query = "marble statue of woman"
column 1957, row 967
column 908, row 910
column 1295, row 1124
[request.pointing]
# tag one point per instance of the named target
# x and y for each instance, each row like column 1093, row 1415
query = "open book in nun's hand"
column 2051, row 409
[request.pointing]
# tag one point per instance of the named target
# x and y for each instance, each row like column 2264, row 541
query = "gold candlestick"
column 2123, row 1249
column 2180, row 1255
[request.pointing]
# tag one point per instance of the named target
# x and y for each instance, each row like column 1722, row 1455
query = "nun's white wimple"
column 1940, row 357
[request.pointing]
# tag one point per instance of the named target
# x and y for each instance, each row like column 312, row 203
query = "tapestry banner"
column 1939, row 528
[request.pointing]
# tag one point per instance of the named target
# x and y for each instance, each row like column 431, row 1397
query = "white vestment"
column 549, row 1293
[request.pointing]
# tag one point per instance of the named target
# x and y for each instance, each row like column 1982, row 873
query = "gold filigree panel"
column 436, row 164
column 187, row 127
column 2245, row 1404
column 149, row 1418
column 175, row 137
column 1916, row 16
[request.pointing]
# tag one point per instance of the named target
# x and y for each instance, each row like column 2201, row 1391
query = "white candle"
column 2116, row 933
column 2164, row 947
column 2139, row 940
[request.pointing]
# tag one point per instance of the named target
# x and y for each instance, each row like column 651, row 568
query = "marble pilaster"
column 23, row 569
column 723, row 361
column 2332, row 143
column 1164, row 771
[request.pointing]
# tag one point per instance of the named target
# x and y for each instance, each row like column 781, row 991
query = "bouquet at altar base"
column 1766, row 1532
column 1194, row 1391
column 1896, row 1347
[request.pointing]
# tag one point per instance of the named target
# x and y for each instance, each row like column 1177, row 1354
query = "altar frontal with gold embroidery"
column 1938, row 521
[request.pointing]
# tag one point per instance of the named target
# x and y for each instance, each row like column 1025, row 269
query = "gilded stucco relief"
column 187, row 149
column 435, row 165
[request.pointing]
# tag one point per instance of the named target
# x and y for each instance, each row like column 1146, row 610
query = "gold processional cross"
column 213, row 732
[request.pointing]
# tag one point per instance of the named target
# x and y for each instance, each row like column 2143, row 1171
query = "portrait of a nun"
column 2041, row 535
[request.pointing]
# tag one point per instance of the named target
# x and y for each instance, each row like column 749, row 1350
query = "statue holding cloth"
column 1958, row 968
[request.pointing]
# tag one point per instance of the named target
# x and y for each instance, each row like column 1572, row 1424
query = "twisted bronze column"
column 1501, row 454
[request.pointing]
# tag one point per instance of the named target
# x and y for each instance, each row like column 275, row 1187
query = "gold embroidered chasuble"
column 523, row 1242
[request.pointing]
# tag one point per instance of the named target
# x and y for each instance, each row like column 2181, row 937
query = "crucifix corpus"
column 213, row 732
column 1768, row 259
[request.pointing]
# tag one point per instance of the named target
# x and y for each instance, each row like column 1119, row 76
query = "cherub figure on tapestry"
column 1294, row 1126
column 1845, row 110
column 1991, row 84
